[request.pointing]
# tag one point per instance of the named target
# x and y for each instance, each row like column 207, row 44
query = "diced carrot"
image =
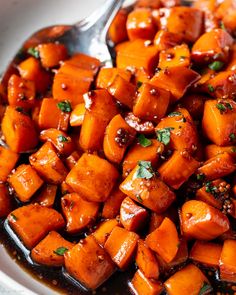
column 93, row 178
column 194, row 103
column 212, row 150
column 72, row 159
column 177, row 56
column 117, row 30
column 47, row 195
column 5, row 201
column 47, row 163
column 112, row 204
column 89, row 263
column 77, row 115
column 51, row 54
column 153, row 4
column 165, row 40
column 103, row 231
column 8, row 161
column 78, row 213
column 228, row 261
column 121, row 246
column 107, row 75
column 202, row 221
column 50, row 251
column 33, row 222
column 85, row 62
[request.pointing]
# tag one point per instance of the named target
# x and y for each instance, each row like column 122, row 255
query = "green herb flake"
column 33, row 51
column 232, row 137
column 139, row 84
column 62, row 138
column 200, row 176
column 211, row 189
column 19, row 109
column 145, row 142
column 216, row 65
column 64, row 106
column 139, row 198
column 210, row 88
column 222, row 26
column 145, row 170
column 61, row 251
column 174, row 114
column 183, row 57
column 221, row 107
column 233, row 149
column 14, row 217
column 205, row 289
column 163, row 135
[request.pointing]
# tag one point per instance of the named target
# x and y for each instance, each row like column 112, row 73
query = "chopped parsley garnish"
column 139, row 84
column 210, row 188
column 145, row 170
column 210, row 88
column 145, row 142
column 216, row 65
column 205, row 289
column 174, row 114
column 64, row 106
column 163, row 135
column 139, row 198
column 223, row 107
column 61, row 251
column 200, row 176
column 222, row 26
column 14, row 217
column 62, row 138
column 232, row 137
column 19, row 109
column 233, row 149
column 33, row 51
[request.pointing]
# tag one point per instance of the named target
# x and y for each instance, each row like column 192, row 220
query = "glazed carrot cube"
column 48, row 165
column 151, row 102
column 118, row 136
column 132, row 216
column 111, row 207
column 25, row 182
column 142, row 285
column 176, row 80
column 72, row 159
column 89, row 263
column 226, row 13
column 77, row 115
column 79, row 214
column 228, row 261
column 188, row 280
column 217, row 167
column 121, row 246
column 185, row 21
column 141, row 76
column 218, row 121
column 51, row 54
column 8, row 161
column 85, row 62
column 50, row 251
column 209, row 8
column 212, row 46
column 165, row 40
column 164, row 240
column 140, row 24
column 202, row 221
column 117, row 31
column 33, row 222
column 212, row 150
column 102, row 233
column 5, row 201
column 152, row 193
column 19, row 130
column 140, row 153
column 177, row 56
column 177, row 169
column 30, row 69
column 47, row 195
column 61, row 141
column 100, row 109
column 93, row 178
column 107, row 75
column 146, row 261
column 153, row 4
column 194, row 103
column 21, row 92
column 206, row 253
column 137, row 54
column 59, row 120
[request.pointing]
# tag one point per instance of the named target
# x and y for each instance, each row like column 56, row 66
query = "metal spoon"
column 87, row 36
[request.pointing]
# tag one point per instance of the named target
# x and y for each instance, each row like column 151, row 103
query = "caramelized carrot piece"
column 100, row 109
column 218, row 166
column 47, row 195
column 89, row 263
column 177, row 169
column 121, row 246
column 5, row 201
column 79, row 214
column 85, row 62
column 112, row 204
column 177, row 56
column 50, row 251
column 202, row 221
column 153, row 4
column 8, row 161
column 62, row 142
column 47, row 163
column 77, row 115
column 228, row 261
column 188, row 280
column 72, row 159
column 146, row 261
column 212, row 150
column 194, row 103
column 25, row 182
column 151, row 102
column 60, row 118
column 206, row 253
column 107, row 75
column 165, row 40
column 132, row 216
column 118, row 136
column 33, row 222
column 142, row 285
column 103, row 231
column 21, row 92
column 51, row 54
column 152, row 193
column 117, row 31
column 19, row 131
column 93, row 178
column 164, row 240
column 226, row 13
